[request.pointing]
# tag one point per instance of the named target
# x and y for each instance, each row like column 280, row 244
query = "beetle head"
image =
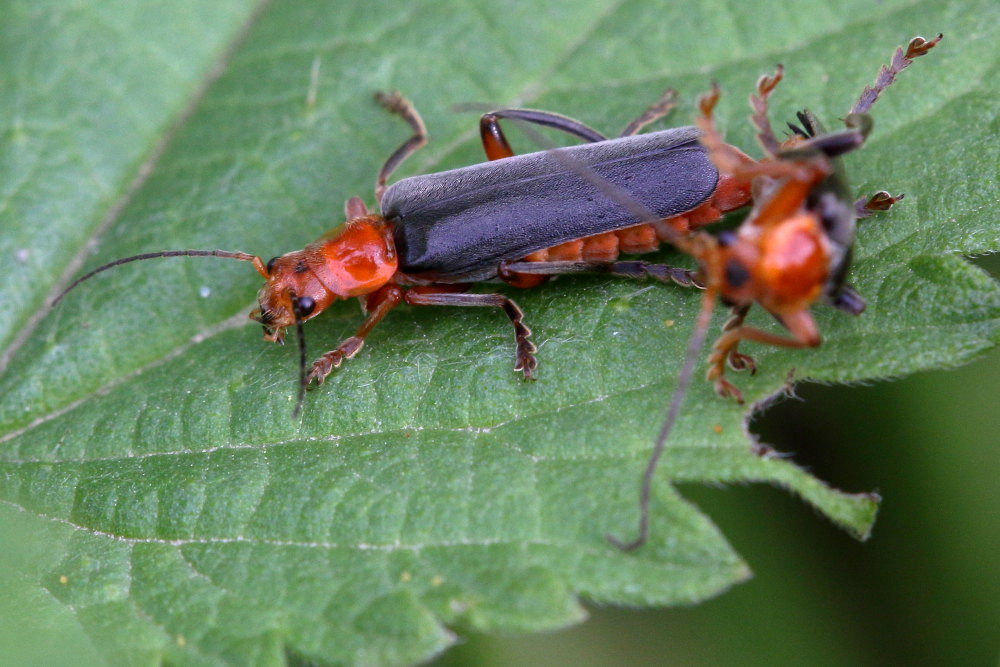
column 292, row 292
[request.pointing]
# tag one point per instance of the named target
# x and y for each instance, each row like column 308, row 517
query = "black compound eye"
column 305, row 305
column 270, row 264
column 736, row 274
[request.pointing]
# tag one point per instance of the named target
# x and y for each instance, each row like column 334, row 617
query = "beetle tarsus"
column 765, row 134
column 323, row 366
column 742, row 362
column 918, row 46
column 526, row 361
column 726, row 389
column 525, row 354
column 736, row 316
column 880, row 201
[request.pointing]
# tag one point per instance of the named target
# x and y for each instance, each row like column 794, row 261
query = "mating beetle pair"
column 524, row 218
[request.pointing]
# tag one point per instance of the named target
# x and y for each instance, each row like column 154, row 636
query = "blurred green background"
column 924, row 590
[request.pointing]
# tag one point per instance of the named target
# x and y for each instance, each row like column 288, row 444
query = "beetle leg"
column 758, row 102
column 729, row 159
column 738, row 361
column 880, row 201
column 625, row 269
column 525, row 358
column 658, row 109
column 732, row 161
column 354, row 208
column 399, row 105
column 497, row 147
column 377, row 305
column 803, row 334
column 917, row 47
column 495, row 143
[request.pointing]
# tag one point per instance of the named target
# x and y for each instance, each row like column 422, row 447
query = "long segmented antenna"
column 300, row 306
column 242, row 256
column 917, row 47
column 697, row 340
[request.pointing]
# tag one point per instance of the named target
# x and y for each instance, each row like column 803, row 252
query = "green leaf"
column 166, row 505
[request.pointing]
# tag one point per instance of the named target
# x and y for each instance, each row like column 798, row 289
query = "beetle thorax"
column 355, row 258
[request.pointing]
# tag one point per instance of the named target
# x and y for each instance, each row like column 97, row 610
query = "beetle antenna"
column 242, row 256
column 300, row 333
column 695, row 344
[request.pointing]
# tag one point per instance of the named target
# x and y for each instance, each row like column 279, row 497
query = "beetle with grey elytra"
column 519, row 218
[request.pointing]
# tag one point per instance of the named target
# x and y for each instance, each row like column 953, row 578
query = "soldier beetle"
column 793, row 249
column 438, row 234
